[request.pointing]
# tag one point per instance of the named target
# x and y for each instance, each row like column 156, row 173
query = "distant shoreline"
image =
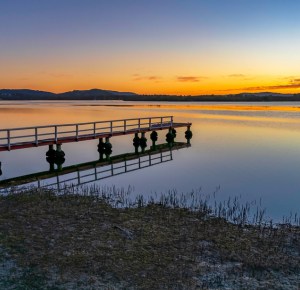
column 226, row 99
column 106, row 95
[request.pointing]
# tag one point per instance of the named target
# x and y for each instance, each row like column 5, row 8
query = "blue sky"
column 125, row 39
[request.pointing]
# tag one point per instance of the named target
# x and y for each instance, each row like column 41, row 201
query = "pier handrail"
column 54, row 133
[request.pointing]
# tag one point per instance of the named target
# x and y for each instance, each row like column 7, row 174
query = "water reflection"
column 91, row 171
column 249, row 149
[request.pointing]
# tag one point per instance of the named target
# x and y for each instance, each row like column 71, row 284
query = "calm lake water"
column 249, row 150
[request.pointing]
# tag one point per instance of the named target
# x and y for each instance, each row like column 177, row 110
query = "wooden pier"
column 27, row 137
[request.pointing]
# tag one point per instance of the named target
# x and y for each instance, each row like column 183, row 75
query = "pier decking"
column 26, row 137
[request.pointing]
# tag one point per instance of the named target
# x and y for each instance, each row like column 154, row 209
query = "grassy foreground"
column 69, row 241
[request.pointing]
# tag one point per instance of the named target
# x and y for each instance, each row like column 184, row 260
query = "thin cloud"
column 236, row 76
column 293, row 84
column 292, row 79
column 277, row 87
column 153, row 78
column 137, row 77
column 190, row 79
column 240, row 77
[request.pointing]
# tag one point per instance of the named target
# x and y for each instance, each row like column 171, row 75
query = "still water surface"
column 250, row 150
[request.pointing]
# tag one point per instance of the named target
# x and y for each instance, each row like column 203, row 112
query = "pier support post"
column 170, row 137
column 59, row 152
column 55, row 157
column 153, row 137
column 136, row 143
column 108, row 148
column 188, row 135
column 101, row 149
column 143, row 142
column 51, row 152
column 59, row 157
column 59, row 162
column 50, row 157
column 174, row 133
column 51, row 160
column 0, row 168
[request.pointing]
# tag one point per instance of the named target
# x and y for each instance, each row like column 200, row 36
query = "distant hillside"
column 95, row 94
column 24, row 94
column 98, row 94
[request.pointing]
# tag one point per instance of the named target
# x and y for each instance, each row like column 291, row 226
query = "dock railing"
column 40, row 135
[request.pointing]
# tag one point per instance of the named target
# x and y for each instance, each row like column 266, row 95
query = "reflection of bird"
column 0, row 169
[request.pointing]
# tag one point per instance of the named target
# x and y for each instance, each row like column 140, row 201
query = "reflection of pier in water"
column 93, row 171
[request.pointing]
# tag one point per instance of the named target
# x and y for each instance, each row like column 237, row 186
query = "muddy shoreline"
column 69, row 241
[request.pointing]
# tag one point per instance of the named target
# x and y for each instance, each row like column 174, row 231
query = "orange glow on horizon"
column 166, row 83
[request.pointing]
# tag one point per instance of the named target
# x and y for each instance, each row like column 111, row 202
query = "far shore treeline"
column 98, row 94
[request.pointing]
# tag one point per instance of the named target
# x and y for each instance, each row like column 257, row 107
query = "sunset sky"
column 151, row 47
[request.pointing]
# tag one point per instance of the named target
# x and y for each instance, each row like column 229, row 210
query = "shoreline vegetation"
column 99, row 94
column 94, row 238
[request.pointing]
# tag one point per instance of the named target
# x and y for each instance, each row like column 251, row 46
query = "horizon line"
column 151, row 94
